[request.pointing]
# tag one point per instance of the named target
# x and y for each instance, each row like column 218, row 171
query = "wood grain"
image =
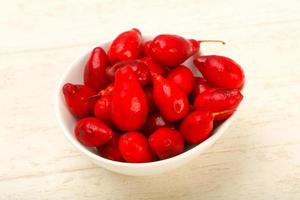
column 258, row 157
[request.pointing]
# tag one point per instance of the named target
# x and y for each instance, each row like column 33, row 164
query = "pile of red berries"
column 139, row 103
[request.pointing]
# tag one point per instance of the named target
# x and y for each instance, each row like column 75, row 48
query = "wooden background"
column 257, row 158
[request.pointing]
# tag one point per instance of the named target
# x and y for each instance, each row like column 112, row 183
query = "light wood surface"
column 257, row 158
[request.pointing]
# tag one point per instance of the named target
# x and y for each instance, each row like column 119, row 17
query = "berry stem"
column 94, row 96
column 222, row 112
column 106, row 91
column 220, row 41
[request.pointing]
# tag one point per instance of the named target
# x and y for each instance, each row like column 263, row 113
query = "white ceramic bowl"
column 74, row 74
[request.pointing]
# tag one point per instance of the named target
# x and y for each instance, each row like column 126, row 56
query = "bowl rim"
column 197, row 148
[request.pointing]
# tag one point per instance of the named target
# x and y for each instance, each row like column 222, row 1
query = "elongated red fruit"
column 197, row 126
column 171, row 101
column 183, row 77
column 218, row 100
column 129, row 103
column 172, row 50
column 128, row 45
column 77, row 99
column 135, row 148
column 95, row 70
column 92, row 132
column 220, row 71
column 166, row 142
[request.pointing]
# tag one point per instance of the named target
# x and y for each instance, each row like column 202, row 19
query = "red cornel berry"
column 77, row 98
column 166, row 142
column 95, row 70
column 197, row 126
column 172, row 50
column 129, row 106
column 134, row 148
column 218, row 100
column 220, row 71
column 128, row 45
column 92, row 132
column 171, row 101
column 183, row 77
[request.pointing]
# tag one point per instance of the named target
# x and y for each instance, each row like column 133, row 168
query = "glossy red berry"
column 134, row 148
column 77, row 99
column 170, row 100
column 92, row 132
column 140, row 69
column 129, row 103
column 218, row 100
column 183, row 77
column 102, row 109
column 166, row 142
column 110, row 150
column 127, row 45
column 172, row 50
column 197, row 126
column 220, row 71
column 154, row 67
column 154, row 122
column 200, row 86
column 94, row 73
column 146, row 48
